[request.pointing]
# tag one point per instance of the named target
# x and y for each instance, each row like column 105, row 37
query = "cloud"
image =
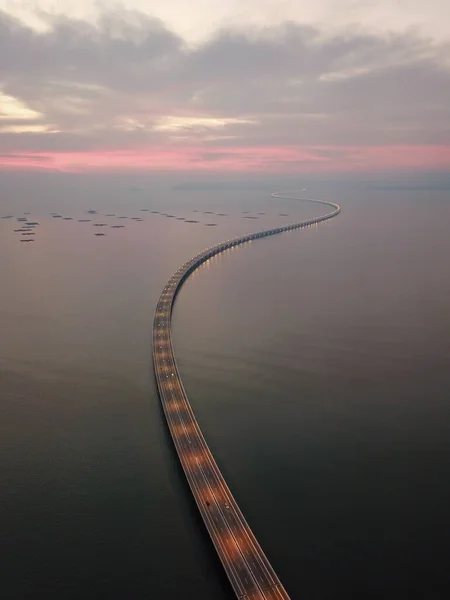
column 128, row 83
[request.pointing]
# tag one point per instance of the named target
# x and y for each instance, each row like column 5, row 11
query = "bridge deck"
column 247, row 567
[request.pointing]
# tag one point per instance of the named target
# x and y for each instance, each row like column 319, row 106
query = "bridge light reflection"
column 180, row 429
column 194, row 459
column 231, row 546
column 176, row 406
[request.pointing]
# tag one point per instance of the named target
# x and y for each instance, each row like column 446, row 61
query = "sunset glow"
column 273, row 159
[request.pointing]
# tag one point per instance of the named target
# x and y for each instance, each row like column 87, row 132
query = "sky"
column 206, row 86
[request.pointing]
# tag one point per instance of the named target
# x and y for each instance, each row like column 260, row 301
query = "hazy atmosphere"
column 283, row 432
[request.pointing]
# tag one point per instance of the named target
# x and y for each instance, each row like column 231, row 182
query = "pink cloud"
column 275, row 159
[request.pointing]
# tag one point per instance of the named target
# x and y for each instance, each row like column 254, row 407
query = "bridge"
column 247, row 567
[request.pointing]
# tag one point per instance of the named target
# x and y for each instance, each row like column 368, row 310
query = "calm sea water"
column 317, row 363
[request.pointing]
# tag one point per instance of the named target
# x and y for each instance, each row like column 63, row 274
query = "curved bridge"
column 244, row 561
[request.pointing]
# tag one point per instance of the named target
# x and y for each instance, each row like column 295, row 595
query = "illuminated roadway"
column 247, row 567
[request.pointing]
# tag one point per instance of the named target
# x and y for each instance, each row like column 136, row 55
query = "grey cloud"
column 11, row 121
column 107, row 84
column 83, row 52
column 214, row 156
column 25, row 157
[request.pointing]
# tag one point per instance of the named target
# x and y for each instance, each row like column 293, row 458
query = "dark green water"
column 316, row 362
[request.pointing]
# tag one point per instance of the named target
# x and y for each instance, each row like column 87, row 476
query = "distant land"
column 228, row 185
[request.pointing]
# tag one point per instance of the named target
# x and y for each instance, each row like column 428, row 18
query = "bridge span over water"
column 247, row 567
